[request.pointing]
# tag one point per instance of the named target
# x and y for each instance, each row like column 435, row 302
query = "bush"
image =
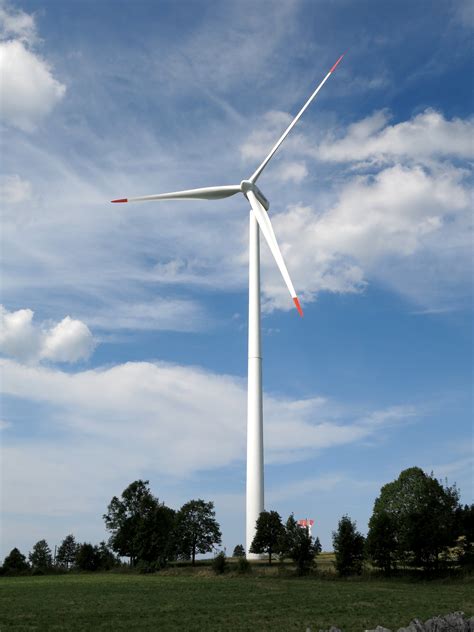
column 219, row 563
column 243, row 566
column 145, row 568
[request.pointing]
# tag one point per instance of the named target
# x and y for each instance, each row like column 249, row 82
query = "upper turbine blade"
column 257, row 172
column 206, row 193
column 267, row 230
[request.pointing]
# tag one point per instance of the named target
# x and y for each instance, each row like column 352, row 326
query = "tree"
column 87, row 557
column 66, row 555
column 381, row 543
column 15, row 562
column 40, row 557
column 464, row 533
column 299, row 545
column 107, row 559
column 155, row 539
column 413, row 521
column 268, row 535
column 125, row 516
column 197, row 530
column 239, row 551
column 348, row 546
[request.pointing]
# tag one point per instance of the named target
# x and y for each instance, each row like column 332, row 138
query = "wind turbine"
column 258, row 219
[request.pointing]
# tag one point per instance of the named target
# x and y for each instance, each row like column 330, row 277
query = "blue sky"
column 124, row 350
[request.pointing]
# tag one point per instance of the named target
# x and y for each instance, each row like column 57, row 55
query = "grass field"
column 202, row 602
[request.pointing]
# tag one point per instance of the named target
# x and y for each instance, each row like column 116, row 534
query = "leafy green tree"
column 40, row 556
column 197, row 530
column 67, row 551
column 464, row 532
column 417, row 515
column 87, row 557
column 155, row 538
column 381, row 543
column 268, row 535
column 124, row 518
column 348, row 546
column 15, row 562
column 107, row 558
column 299, row 545
column 239, row 551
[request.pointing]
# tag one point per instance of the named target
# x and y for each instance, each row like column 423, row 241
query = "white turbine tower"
column 258, row 219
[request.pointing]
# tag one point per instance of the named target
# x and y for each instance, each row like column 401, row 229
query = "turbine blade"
column 267, row 230
column 257, row 172
column 206, row 193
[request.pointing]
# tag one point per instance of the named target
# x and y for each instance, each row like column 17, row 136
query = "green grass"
column 202, row 602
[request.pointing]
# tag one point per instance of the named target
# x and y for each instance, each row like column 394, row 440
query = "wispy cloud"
column 171, row 407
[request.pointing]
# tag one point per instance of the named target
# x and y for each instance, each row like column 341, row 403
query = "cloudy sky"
column 124, row 326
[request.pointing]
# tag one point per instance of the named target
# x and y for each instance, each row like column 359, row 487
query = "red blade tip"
column 337, row 62
column 122, row 200
column 298, row 306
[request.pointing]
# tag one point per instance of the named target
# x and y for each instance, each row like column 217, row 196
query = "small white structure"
column 306, row 524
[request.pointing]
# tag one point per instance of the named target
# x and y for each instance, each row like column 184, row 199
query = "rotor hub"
column 247, row 185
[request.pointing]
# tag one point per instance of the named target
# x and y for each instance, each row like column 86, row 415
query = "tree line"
column 417, row 522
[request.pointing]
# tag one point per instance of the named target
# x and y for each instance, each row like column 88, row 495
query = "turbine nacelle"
column 247, row 185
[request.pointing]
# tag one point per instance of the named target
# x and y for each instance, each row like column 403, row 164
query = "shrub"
column 243, row 566
column 219, row 563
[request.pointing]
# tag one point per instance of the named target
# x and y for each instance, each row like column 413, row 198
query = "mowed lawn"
column 198, row 602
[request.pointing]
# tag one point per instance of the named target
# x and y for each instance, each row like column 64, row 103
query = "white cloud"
column 406, row 225
column 29, row 90
column 94, row 431
column 18, row 337
column 426, row 136
column 162, row 411
column 15, row 23
column 401, row 214
column 67, row 341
